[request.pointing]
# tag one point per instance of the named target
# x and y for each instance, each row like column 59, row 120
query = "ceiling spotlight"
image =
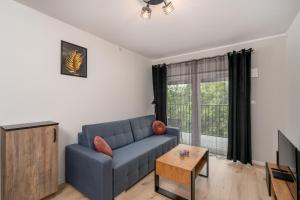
column 146, row 12
column 168, row 7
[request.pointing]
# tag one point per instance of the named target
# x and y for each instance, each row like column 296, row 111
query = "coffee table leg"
column 207, row 165
column 193, row 185
column 156, row 181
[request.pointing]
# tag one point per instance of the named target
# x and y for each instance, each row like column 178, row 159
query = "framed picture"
column 73, row 60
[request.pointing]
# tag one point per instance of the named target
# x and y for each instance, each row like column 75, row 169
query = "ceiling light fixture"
column 146, row 10
column 168, row 7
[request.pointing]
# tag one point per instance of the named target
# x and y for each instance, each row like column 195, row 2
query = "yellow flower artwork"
column 73, row 62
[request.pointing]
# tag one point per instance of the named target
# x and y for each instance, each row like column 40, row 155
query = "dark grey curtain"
column 159, row 76
column 239, row 123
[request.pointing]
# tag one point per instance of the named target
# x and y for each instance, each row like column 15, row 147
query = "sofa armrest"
column 174, row 131
column 89, row 172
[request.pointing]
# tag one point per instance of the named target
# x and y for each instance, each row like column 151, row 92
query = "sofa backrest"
column 81, row 139
column 142, row 127
column 116, row 134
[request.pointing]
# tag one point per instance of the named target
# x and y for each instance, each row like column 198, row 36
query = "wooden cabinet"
column 29, row 161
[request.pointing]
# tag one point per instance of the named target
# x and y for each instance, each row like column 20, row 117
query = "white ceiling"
column 194, row 25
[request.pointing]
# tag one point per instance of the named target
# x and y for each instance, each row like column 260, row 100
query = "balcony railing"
column 214, row 118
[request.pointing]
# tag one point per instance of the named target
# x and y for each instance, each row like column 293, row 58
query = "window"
column 214, row 108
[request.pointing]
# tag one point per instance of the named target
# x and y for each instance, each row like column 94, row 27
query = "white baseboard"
column 259, row 163
column 61, row 181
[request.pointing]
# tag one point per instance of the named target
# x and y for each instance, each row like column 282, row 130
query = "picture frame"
column 73, row 60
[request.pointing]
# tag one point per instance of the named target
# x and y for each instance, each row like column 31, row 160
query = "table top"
column 188, row 163
column 28, row 125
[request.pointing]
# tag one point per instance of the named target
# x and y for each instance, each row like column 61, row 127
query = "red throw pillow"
column 102, row 146
column 158, row 127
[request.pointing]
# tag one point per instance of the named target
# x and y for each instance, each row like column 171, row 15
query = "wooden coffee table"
column 181, row 169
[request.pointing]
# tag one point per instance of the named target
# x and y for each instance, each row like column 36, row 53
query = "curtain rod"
column 251, row 50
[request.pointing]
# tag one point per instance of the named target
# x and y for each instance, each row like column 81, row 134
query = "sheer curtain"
column 197, row 101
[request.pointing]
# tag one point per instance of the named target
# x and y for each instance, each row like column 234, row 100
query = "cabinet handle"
column 54, row 138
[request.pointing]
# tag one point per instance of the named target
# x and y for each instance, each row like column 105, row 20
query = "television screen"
column 287, row 160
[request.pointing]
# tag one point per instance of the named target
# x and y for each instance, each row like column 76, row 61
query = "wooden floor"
column 227, row 181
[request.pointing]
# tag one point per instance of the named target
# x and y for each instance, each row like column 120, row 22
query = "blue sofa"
column 135, row 148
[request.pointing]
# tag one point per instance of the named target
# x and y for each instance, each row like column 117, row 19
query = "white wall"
column 293, row 87
column 119, row 83
column 267, row 90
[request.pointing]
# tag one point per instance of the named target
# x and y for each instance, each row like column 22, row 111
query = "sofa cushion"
column 102, row 146
column 134, row 161
column 116, row 134
column 158, row 127
column 142, row 127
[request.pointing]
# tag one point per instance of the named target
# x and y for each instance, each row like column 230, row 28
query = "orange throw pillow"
column 102, row 146
column 158, row 127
